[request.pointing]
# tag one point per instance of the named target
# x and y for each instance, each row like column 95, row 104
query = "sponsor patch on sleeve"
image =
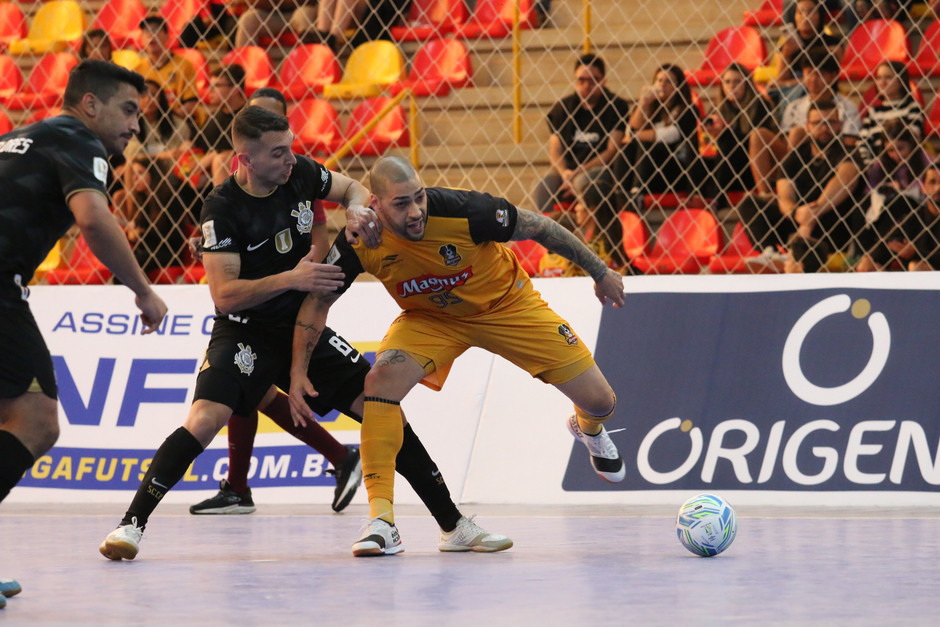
column 209, row 238
column 100, row 168
column 502, row 216
column 333, row 256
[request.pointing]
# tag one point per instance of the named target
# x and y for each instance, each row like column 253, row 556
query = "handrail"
column 344, row 149
column 516, row 74
column 586, row 19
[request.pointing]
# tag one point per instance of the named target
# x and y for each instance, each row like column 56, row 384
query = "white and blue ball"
column 706, row 525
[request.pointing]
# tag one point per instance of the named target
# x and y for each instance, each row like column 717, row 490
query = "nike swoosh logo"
column 257, row 246
column 436, row 473
column 158, row 484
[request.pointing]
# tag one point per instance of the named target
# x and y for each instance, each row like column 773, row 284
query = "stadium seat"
column 770, row 13
column 5, row 124
column 306, row 70
column 121, row 20
column 316, row 126
column 734, row 259
column 52, row 261
column 179, row 13
column 428, row 19
column 167, row 276
column 636, row 236
column 927, row 60
column 529, row 253
column 13, row 24
column 871, row 43
column 194, row 273
column 46, row 83
column 41, row 114
column 126, row 58
column 493, row 19
column 56, row 26
column 391, row 131
column 438, row 66
column 932, row 123
column 83, row 268
column 258, row 67
column 11, row 79
column 685, row 243
column 370, row 68
column 199, row 62
column 738, row 44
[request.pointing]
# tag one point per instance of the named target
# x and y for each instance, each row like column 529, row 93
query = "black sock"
column 15, row 459
column 168, row 466
column 416, row 466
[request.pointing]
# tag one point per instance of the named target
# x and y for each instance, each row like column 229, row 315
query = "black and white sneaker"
column 227, row 501
column 377, row 538
column 348, row 479
column 605, row 458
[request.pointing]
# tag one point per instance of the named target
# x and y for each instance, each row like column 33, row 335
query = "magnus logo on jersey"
column 431, row 284
column 449, row 254
column 799, row 390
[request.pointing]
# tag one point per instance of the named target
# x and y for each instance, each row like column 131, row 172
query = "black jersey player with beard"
column 262, row 247
column 53, row 175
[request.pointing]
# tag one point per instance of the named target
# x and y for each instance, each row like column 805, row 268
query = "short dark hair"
column 819, row 58
column 822, row 105
column 253, row 121
column 812, row 253
column 95, row 33
column 235, row 73
column 101, row 78
column 591, row 60
column 270, row 92
column 154, row 23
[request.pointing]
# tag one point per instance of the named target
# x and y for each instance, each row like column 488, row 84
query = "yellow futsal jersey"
column 177, row 77
column 459, row 268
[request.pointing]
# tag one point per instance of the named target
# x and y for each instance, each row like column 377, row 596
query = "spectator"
column 894, row 101
column 805, row 255
column 583, row 224
column 661, row 136
column 817, row 192
column 806, row 31
column 368, row 20
column 161, row 133
column 174, row 73
column 586, row 128
column 95, row 45
column 900, row 163
column 272, row 18
column 212, row 28
column 211, row 141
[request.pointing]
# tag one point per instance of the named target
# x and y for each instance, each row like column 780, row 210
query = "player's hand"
column 300, row 387
column 363, row 222
column 310, row 276
column 610, row 289
column 152, row 311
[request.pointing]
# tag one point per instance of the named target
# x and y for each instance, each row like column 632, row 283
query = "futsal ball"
column 706, row 525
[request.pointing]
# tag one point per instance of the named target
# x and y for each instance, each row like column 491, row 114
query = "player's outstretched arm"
column 106, row 239
column 608, row 285
column 361, row 219
column 308, row 328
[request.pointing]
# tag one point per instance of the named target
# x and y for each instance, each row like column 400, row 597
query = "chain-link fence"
column 695, row 137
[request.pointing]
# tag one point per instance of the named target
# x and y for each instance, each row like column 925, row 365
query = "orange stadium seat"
column 306, row 70
column 258, row 67
column 770, row 13
column 428, row 19
column 5, row 124
column 529, row 253
column 56, row 26
column 11, row 79
column 438, row 66
column 316, row 126
column 734, row 259
column 13, row 24
column 738, row 44
column 871, row 43
column 370, row 68
column 927, row 60
column 636, row 236
column 126, row 58
column 46, row 83
column 493, row 19
column 121, row 20
column 83, row 268
column 391, row 131
column 41, row 114
column 685, row 243
column 179, row 13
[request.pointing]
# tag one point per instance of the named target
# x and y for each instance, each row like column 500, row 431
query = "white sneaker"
column 378, row 537
column 605, row 458
column 123, row 542
column 469, row 536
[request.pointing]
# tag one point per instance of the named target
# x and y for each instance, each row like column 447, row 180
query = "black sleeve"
column 81, row 164
column 489, row 218
column 316, row 175
column 342, row 254
column 219, row 232
column 557, row 117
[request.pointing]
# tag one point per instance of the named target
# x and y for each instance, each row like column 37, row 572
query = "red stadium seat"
column 258, row 67
column 493, row 19
column 685, row 243
column 428, row 19
column 927, row 60
column 734, row 259
column 438, row 66
column 306, row 70
column 194, row 273
column 871, row 43
column 83, row 268
column 316, row 126
column 46, row 83
column 770, row 13
column 5, row 124
column 179, row 13
column 738, row 44
column 198, row 60
column 391, row 131
column 167, row 276
column 932, row 123
column 121, row 20
column 39, row 115
column 636, row 236
column 529, row 254
column 11, row 79
column 13, row 25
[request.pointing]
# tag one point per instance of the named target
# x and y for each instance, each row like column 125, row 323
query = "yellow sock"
column 382, row 434
column 592, row 425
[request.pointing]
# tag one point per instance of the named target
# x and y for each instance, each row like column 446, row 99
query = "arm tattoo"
column 559, row 240
column 392, row 356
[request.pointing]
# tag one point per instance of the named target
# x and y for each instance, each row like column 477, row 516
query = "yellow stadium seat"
column 370, row 68
column 57, row 25
column 125, row 58
column 52, row 261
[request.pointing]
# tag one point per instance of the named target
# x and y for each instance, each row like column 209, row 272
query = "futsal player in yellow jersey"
column 441, row 258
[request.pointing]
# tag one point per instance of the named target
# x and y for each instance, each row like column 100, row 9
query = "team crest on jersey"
column 565, row 331
column 245, row 359
column 449, row 254
column 304, row 215
column 502, row 216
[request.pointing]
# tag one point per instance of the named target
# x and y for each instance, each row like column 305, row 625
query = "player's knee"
column 379, row 382
column 46, row 433
column 598, row 408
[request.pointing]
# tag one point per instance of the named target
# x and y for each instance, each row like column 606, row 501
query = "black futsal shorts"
column 27, row 366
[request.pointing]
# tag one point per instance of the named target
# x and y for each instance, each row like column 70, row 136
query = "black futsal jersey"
column 41, row 166
column 271, row 234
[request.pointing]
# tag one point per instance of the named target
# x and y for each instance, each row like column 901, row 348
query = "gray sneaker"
column 605, row 459
column 469, row 536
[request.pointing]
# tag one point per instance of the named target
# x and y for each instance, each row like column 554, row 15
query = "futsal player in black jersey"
column 261, row 260
column 53, row 175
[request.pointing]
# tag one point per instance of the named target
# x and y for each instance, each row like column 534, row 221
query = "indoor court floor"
column 583, row 565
